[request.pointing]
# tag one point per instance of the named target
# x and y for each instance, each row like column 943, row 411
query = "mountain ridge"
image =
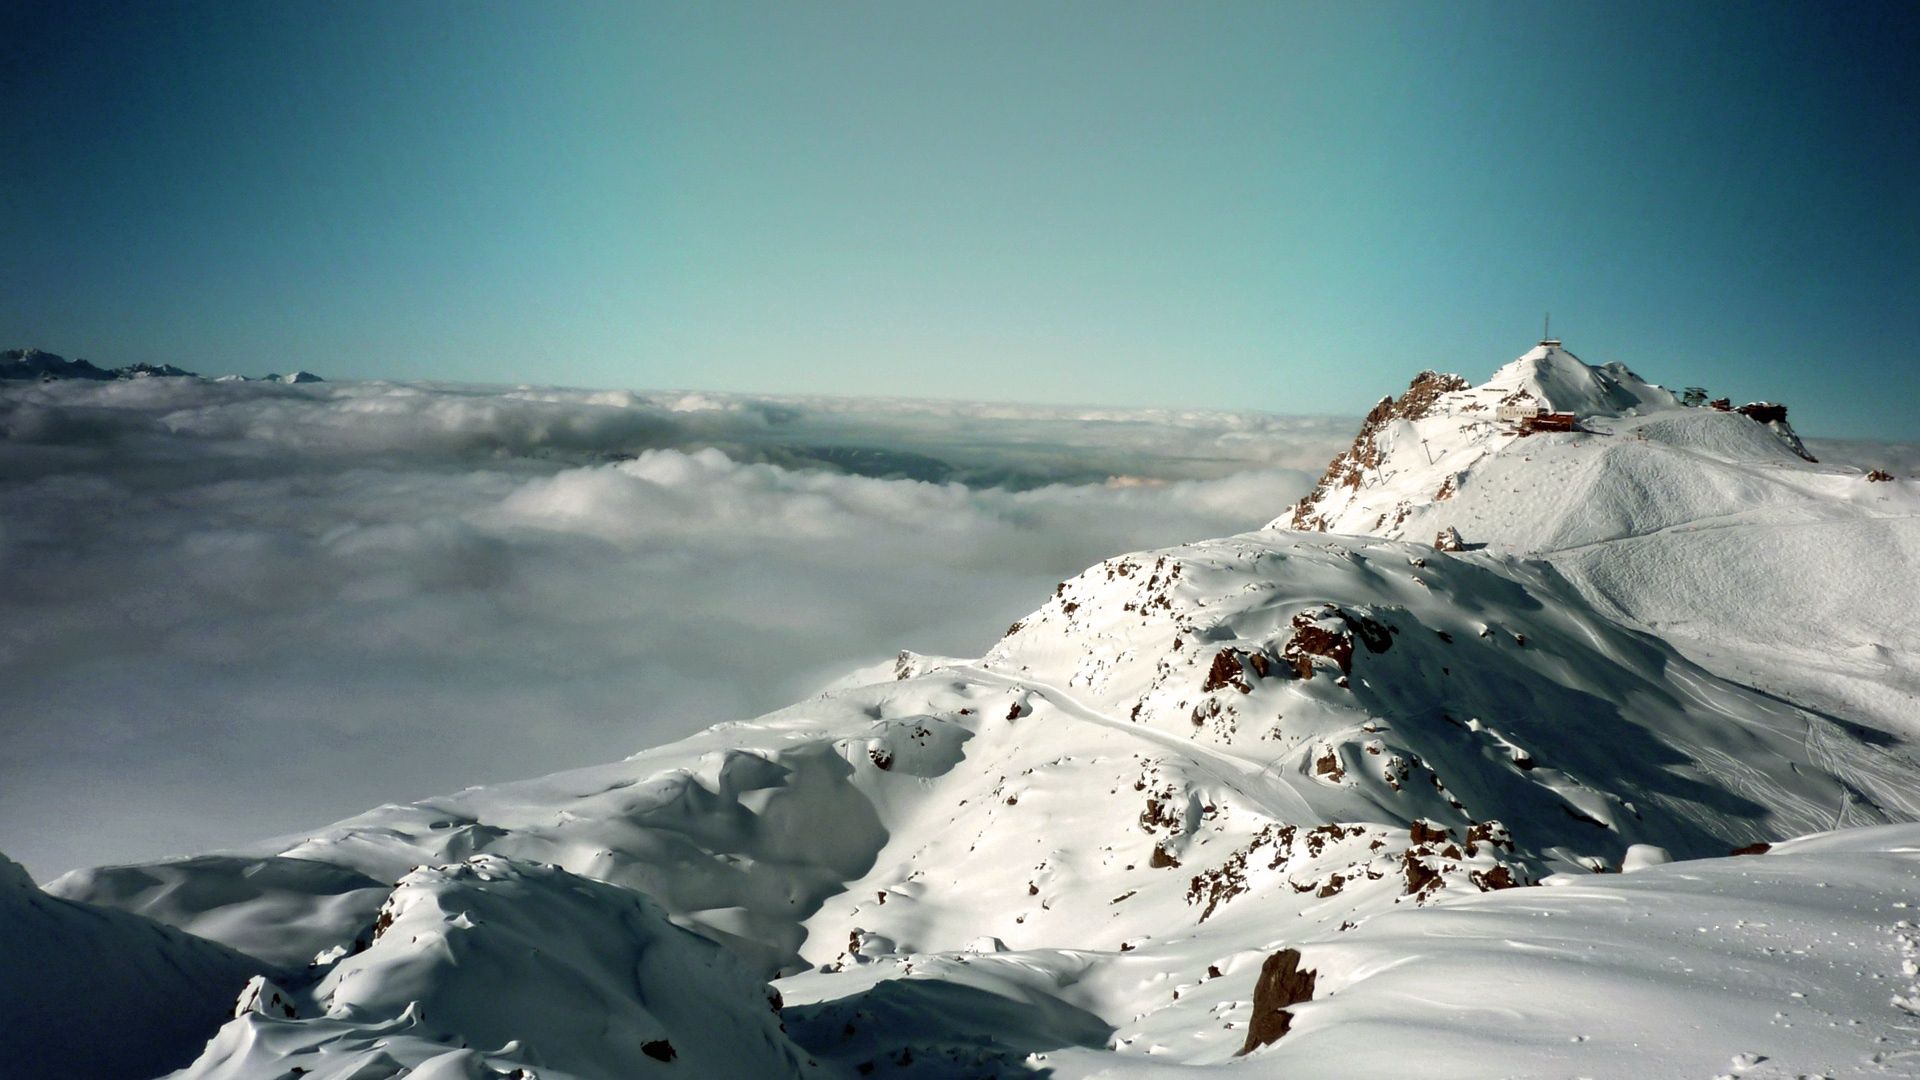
column 1074, row 855
column 32, row 363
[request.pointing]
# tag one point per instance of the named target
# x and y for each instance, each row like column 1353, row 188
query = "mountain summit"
column 1322, row 793
column 1443, row 437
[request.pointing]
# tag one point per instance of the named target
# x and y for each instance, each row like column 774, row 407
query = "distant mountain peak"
column 38, row 364
column 31, row 363
column 1414, row 454
column 1564, row 383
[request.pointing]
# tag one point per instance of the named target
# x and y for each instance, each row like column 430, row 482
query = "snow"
column 1559, row 380
column 1494, row 801
column 1790, row 960
column 500, row 964
column 87, row 991
column 1057, row 797
column 281, row 910
column 1703, row 526
column 229, row 549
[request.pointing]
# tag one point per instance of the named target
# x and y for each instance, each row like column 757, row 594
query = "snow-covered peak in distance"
column 1708, row 525
column 1562, row 382
column 1438, row 439
column 31, row 363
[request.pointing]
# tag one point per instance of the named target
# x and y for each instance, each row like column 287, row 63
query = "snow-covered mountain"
column 89, row 991
column 1321, row 799
column 42, row 365
column 1709, row 526
column 38, row 364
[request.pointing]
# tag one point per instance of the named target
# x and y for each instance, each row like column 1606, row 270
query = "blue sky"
column 1275, row 206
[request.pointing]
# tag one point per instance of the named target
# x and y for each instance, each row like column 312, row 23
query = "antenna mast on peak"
column 1547, row 337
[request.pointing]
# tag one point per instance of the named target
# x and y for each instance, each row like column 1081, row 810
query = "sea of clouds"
column 233, row 610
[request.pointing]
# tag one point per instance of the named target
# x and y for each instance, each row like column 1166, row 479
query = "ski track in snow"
column 1480, row 799
column 1234, row 772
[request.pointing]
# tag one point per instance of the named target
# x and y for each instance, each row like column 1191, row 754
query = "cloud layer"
column 233, row 610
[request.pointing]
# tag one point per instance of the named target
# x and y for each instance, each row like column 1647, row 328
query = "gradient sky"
column 1275, row 206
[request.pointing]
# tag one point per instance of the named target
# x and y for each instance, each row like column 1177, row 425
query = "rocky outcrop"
column 1282, row 984
column 1351, row 466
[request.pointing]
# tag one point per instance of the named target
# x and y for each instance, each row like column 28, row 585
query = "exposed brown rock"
column 1879, row 476
column 381, row 922
column 1420, row 876
column 1162, row 859
column 1311, row 639
column 1160, row 812
column 1350, row 467
column 1489, row 832
column 658, row 1050
column 1760, row 848
column 1226, row 671
column 1282, row 984
column 1491, row 880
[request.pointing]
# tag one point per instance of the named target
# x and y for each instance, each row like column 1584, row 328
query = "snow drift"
column 1322, row 800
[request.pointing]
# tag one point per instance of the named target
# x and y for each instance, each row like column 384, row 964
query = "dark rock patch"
column 1281, row 985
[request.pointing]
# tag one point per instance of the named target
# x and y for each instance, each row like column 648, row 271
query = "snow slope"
column 1705, row 526
column 1092, row 816
column 88, row 991
column 491, row 967
column 1401, row 810
column 1800, row 962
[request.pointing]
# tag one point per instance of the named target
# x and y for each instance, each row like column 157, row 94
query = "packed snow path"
column 1263, row 784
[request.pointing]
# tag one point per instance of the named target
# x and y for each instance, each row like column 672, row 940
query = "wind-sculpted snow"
column 281, row 910
column 488, row 966
column 350, row 593
column 1393, row 728
column 86, row 991
column 1796, row 963
column 1282, row 802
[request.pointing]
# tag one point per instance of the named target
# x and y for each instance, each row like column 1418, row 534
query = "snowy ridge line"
column 1711, row 527
column 1224, row 767
column 969, row 820
column 1315, row 802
